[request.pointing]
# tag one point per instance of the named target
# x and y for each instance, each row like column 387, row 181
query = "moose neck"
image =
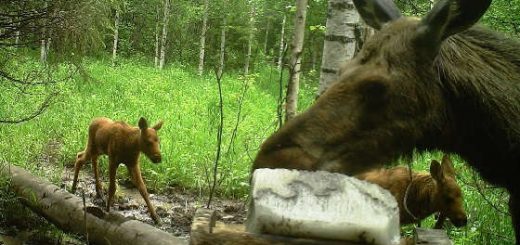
column 420, row 197
column 480, row 75
column 133, row 143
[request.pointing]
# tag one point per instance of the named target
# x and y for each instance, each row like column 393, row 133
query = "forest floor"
column 176, row 207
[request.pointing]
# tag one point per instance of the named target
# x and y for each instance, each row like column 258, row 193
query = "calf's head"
column 149, row 140
column 448, row 196
column 387, row 100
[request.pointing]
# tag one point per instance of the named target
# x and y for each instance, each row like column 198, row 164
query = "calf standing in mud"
column 436, row 83
column 123, row 144
column 425, row 194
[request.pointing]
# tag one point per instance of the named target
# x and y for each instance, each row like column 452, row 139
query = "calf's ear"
column 436, row 171
column 143, row 124
column 158, row 125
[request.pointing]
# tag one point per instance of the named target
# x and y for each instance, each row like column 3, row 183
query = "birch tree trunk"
column 203, row 38
column 340, row 40
column 43, row 41
column 116, row 38
column 43, row 50
column 267, row 36
column 157, row 33
column 293, row 86
column 282, row 39
column 222, row 46
column 250, row 39
column 164, row 33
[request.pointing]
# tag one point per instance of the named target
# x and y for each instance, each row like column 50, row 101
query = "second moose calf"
column 428, row 193
column 123, row 144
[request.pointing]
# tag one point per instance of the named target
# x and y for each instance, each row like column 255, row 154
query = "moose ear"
column 436, row 171
column 143, row 124
column 449, row 17
column 376, row 13
column 447, row 166
column 158, row 125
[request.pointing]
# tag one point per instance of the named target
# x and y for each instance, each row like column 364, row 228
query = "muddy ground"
column 175, row 205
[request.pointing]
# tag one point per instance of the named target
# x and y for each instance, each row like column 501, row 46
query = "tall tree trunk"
column 432, row 2
column 43, row 50
column 157, row 33
column 43, row 41
column 250, row 39
column 164, row 33
column 222, row 46
column 282, row 39
column 116, row 38
column 340, row 40
column 267, row 36
column 293, row 86
column 17, row 37
column 203, row 38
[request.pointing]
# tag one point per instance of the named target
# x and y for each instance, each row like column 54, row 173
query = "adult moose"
column 430, row 83
column 123, row 144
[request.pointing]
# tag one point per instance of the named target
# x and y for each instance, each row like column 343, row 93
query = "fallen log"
column 67, row 212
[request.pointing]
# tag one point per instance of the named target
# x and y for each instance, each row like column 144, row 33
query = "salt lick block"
column 321, row 205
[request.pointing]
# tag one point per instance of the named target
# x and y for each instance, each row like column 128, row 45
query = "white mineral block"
column 321, row 205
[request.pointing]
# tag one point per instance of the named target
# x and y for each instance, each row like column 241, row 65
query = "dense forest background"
column 64, row 62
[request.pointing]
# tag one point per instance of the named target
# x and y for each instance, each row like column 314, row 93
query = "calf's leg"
column 138, row 181
column 112, row 168
column 99, row 188
column 80, row 161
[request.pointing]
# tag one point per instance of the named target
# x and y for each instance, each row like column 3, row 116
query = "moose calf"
column 428, row 193
column 123, row 144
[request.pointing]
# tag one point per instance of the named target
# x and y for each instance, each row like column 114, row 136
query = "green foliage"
column 187, row 103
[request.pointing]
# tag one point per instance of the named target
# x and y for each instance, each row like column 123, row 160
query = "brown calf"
column 123, row 144
column 428, row 193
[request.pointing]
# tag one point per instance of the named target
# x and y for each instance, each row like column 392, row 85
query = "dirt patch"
column 175, row 206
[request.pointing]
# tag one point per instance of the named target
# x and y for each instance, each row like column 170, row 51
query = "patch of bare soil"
column 176, row 206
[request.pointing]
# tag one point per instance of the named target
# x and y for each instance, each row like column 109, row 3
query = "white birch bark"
column 43, row 50
column 250, row 39
column 267, row 36
column 116, row 38
column 293, row 86
column 43, row 41
column 282, row 39
column 164, row 33
column 157, row 33
column 340, row 40
column 203, row 38
column 222, row 47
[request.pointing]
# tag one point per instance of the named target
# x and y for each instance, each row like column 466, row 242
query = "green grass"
column 189, row 106
column 186, row 102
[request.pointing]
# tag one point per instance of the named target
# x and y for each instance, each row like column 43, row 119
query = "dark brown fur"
column 406, row 90
column 428, row 193
column 123, row 144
